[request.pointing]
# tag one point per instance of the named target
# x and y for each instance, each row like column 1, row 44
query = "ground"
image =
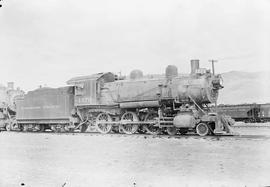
column 48, row 159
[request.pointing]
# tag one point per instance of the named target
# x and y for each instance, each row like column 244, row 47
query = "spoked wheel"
column 150, row 128
column 183, row 131
column 101, row 127
column 202, row 129
column 129, row 128
column 171, row 131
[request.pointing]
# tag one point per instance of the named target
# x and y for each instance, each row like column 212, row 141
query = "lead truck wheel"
column 202, row 129
column 171, row 131
column 101, row 127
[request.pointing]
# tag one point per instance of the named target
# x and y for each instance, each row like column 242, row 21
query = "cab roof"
column 108, row 77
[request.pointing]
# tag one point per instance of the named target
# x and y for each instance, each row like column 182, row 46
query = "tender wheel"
column 58, row 128
column 103, row 128
column 25, row 128
column 150, row 128
column 39, row 128
column 171, row 131
column 202, row 129
column 129, row 128
column 183, row 131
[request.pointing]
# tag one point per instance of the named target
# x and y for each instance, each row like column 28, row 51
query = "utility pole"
column 213, row 66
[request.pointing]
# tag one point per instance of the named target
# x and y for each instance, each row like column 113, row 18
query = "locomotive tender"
column 107, row 103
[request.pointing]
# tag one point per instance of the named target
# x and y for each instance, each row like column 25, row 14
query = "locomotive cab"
column 88, row 88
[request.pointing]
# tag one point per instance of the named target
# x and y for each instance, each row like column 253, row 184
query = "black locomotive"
column 105, row 102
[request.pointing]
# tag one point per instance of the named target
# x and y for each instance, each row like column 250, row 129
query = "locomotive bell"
column 136, row 74
column 171, row 71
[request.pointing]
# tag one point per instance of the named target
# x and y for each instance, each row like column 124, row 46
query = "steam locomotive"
column 105, row 103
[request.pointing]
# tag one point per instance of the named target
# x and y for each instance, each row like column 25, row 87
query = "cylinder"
column 195, row 64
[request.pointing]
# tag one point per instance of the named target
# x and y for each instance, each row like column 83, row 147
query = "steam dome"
column 171, row 71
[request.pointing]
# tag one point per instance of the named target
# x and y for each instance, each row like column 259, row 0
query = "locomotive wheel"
column 202, row 129
column 103, row 128
column 171, row 131
column 151, row 129
column 38, row 128
column 183, row 131
column 129, row 128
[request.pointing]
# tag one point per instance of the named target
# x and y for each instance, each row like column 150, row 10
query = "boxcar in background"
column 247, row 112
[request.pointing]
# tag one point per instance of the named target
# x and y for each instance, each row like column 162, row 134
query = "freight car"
column 8, row 96
column 248, row 113
column 107, row 103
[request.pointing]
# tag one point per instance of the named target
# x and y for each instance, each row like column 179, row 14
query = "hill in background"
column 245, row 87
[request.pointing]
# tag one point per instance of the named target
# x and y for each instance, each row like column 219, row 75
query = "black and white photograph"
column 134, row 93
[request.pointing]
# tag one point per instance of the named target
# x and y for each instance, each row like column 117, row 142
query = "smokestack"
column 195, row 64
column 10, row 85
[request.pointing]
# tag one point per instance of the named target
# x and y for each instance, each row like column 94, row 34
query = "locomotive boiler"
column 107, row 103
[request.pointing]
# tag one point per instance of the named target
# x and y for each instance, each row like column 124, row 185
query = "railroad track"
column 148, row 136
column 251, row 126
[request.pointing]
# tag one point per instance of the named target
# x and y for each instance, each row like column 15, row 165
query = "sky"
column 47, row 42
